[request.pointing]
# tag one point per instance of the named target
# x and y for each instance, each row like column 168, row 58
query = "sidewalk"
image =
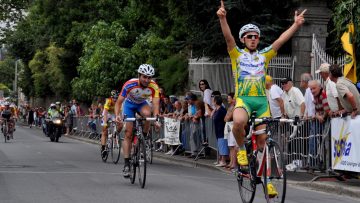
column 349, row 187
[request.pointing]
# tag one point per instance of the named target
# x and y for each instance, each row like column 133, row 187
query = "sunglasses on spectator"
column 202, row 84
column 284, row 83
column 251, row 36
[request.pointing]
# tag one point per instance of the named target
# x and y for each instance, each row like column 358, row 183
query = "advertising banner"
column 172, row 131
column 345, row 142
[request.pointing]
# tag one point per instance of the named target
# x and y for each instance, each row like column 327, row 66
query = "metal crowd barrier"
column 308, row 149
column 87, row 127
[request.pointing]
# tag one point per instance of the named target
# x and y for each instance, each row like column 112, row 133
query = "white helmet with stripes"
column 146, row 69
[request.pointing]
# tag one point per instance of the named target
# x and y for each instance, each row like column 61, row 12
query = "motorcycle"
column 55, row 128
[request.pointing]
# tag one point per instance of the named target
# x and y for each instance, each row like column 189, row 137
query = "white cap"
column 324, row 67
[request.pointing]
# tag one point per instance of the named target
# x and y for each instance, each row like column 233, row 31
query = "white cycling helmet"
column 146, row 69
column 52, row 105
column 248, row 28
column 6, row 104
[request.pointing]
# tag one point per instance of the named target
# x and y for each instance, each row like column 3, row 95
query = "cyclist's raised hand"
column 221, row 13
column 299, row 19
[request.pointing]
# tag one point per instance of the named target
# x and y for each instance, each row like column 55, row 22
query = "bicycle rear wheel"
column 116, row 148
column 247, row 182
column 278, row 171
column 141, row 156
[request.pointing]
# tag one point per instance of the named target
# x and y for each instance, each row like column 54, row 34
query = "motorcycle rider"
column 52, row 113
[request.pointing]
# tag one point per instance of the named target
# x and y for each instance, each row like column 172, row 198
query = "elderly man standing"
column 294, row 101
column 348, row 94
column 322, row 111
column 330, row 89
column 309, row 98
column 276, row 102
column 320, row 100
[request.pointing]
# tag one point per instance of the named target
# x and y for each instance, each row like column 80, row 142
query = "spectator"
column 79, row 110
column 320, row 100
column 74, row 108
column 348, row 94
column 218, row 116
column 162, row 98
column 294, row 101
column 206, row 93
column 228, row 130
column 168, row 106
column 195, row 129
column 310, row 114
column 309, row 98
column 68, row 119
column 275, row 98
column 31, row 117
column 178, row 111
column 330, row 89
column 322, row 110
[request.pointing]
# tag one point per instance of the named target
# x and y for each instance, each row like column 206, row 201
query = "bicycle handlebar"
column 142, row 119
column 294, row 123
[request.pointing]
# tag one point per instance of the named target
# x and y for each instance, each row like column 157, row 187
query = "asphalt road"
column 33, row 169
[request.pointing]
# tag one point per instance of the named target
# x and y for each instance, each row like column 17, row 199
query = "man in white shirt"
column 310, row 114
column 274, row 97
column 330, row 89
column 294, row 101
column 309, row 98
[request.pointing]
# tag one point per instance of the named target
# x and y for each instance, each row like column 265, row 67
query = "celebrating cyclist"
column 133, row 97
column 108, row 114
column 249, row 68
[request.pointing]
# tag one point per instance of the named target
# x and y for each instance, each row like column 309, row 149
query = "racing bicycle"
column 138, row 157
column 113, row 144
column 266, row 164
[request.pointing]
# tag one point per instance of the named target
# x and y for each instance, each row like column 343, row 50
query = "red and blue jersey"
column 134, row 93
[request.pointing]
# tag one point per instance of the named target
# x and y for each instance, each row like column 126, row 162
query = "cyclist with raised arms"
column 133, row 98
column 249, row 69
column 108, row 114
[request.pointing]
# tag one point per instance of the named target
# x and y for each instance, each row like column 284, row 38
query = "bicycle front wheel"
column 116, row 148
column 247, row 182
column 5, row 131
column 141, row 156
column 278, row 171
column 133, row 163
column 149, row 150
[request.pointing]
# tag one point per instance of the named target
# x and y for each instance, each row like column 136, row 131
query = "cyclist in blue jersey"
column 133, row 99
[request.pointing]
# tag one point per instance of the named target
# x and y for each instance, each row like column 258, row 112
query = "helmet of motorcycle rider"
column 146, row 69
column 57, row 103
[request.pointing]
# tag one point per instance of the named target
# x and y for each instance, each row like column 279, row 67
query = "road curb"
column 334, row 189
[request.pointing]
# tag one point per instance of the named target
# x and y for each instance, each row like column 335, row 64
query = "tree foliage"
column 97, row 45
column 7, row 72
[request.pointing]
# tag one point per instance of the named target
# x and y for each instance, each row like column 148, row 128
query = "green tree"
column 7, row 72
column 173, row 74
column 47, row 73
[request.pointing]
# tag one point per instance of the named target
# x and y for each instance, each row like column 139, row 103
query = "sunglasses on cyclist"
column 251, row 36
